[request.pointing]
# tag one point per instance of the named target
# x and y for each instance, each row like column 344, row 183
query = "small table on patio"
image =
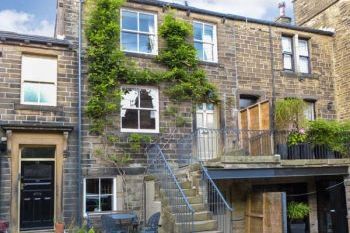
column 119, row 222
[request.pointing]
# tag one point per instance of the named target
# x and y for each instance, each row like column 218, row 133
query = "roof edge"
column 33, row 39
column 231, row 16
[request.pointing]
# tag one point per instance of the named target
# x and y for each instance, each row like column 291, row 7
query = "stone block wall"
column 305, row 10
column 64, row 114
column 335, row 17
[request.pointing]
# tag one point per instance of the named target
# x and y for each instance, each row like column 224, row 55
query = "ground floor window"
column 99, row 194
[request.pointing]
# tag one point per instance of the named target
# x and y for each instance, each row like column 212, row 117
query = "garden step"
column 183, row 208
column 200, row 226
column 186, row 184
column 197, row 216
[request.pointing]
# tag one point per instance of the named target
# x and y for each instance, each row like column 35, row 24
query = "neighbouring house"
column 38, row 131
column 191, row 162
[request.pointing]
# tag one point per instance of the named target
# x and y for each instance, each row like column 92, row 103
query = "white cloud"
column 250, row 8
column 24, row 23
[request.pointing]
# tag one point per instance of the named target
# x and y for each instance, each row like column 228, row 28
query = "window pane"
column 146, row 23
column 130, row 98
column 31, row 92
column 245, row 102
column 199, row 48
column 210, row 107
column 106, row 203
column 147, row 119
column 310, row 110
column 38, row 152
column 92, row 203
column 208, row 52
column 146, row 43
column 92, row 186
column 208, row 33
column 129, row 119
column 287, row 62
column 304, row 65
column 198, row 31
column 148, row 98
column 287, row 44
column 47, row 93
column 129, row 20
column 303, row 48
column 129, row 41
column 106, row 186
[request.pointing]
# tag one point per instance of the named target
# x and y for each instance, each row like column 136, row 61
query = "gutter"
column 230, row 16
column 80, row 181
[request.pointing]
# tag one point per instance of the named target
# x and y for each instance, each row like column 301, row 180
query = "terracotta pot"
column 59, row 227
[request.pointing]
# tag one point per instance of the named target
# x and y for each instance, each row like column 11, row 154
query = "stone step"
column 195, row 200
column 183, row 208
column 186, row 185
column 200, row 226
column 198, row 216
column 187, row 192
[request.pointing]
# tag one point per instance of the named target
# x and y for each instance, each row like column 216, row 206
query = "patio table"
column 119, row 222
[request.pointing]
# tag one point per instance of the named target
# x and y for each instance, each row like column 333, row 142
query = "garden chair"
column 152, row 224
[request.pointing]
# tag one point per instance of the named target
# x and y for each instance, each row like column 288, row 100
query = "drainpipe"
column 273, row 104
column 80, row 181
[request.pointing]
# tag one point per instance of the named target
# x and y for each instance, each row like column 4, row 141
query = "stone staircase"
column 204, row 221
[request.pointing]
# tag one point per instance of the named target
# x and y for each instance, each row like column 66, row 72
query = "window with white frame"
column 310, row 109
column 287, row 50
column 39, row 80
column 296, row 59
column 304, row 58
column 140, row 109
column 205, row 41
column 100, row 195
column 138, row 32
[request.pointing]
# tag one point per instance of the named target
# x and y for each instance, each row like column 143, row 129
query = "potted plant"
column 296, row 212
column 297, row 146
column 59, row 225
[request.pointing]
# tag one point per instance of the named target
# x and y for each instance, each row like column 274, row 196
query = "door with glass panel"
column 208, row 134
column 37, row 187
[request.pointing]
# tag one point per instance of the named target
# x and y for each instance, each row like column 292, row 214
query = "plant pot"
column 59, row 227
column 297, row 227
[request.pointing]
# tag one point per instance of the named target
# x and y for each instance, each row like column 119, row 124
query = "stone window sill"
column 299, row 75
column 38, row 108
column 140, row 55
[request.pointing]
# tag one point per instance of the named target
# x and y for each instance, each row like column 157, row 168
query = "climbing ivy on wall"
column 108, row 67
column 188, row 81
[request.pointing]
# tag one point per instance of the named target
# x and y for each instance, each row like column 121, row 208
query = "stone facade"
column 63, row 115
column 333, row 15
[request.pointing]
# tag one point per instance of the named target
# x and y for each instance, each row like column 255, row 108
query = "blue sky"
column 38, row 16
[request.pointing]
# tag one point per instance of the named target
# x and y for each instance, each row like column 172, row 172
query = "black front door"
column 37, row 195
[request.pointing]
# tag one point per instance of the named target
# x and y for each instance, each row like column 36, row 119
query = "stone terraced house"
column 224, row 170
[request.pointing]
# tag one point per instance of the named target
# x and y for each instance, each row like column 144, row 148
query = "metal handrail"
column 205, row 171
column 175, row 180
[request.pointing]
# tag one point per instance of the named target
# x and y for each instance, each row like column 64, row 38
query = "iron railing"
column 215, row 201
column 210, row 144
column 177, row 200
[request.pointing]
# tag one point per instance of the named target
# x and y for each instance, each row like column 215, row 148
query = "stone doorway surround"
column 18, row 136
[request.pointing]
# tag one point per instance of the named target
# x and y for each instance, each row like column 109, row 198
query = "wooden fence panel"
column 264, row 213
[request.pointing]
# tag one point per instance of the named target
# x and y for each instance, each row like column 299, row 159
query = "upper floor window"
column 304, row 58
column 100, row 195
column 296, row 58
column 39, row 80
column 140, row 109
column 287, row 50
column 138, row 32
column 205, row 41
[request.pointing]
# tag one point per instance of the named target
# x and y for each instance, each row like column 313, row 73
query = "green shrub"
column 297, row 210
column 289, row 113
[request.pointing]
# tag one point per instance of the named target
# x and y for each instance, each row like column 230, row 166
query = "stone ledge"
column 251, row 159
column 38, row 108
column 315, row 162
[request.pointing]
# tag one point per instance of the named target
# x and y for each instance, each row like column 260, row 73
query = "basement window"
column 247, row 100
column 140, row 109
column 100, row 195
column 138, row 32
column 205, row 41
column 310, row 110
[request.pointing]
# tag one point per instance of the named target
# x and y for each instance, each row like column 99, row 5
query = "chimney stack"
column 282, row 17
